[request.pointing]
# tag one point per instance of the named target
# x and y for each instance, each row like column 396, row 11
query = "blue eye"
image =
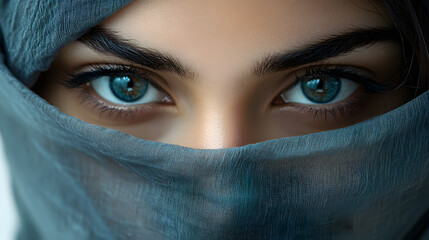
column 127, row 88
column 322, row 89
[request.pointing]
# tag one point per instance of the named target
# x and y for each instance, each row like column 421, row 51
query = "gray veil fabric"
column 74, row 180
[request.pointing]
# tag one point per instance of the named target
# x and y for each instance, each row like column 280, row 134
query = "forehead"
column 205, row 33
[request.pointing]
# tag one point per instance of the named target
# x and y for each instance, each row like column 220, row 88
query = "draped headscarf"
column 74, row 180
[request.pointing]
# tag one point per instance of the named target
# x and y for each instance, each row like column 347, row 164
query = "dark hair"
column 411, row 19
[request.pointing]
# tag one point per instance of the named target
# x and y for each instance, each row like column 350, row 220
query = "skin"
column 224, row 104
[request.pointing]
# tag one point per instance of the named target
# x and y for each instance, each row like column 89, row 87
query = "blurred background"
column 8, row 214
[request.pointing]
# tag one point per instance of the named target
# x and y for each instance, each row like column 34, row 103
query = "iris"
column 127, row 88
column 322, row 89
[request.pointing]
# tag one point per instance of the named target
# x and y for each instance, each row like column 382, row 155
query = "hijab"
column 74, row 180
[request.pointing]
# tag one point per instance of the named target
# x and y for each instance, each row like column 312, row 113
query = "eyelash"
column 337, row 71
column 342, row 71
column 76, row 80
column 80, row 81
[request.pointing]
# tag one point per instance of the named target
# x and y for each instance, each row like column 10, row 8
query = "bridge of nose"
column 221, row 123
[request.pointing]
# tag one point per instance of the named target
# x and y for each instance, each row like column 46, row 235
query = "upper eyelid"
column 313, row 71
column 327, row 69
column 78, row 78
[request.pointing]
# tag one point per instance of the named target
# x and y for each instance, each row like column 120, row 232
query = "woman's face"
column 216, row 74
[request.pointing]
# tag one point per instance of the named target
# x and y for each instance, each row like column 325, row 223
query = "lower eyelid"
column 325, row 111
column 111, row 109
column 118, row 114
column 102, row 89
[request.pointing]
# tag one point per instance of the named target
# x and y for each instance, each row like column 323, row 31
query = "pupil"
column 130, row 85
column 321, row 90
column 128, row 89
column 320, row 86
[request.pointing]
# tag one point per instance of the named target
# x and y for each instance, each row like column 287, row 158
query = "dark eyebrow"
column 329, row 47
column 104, row 40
